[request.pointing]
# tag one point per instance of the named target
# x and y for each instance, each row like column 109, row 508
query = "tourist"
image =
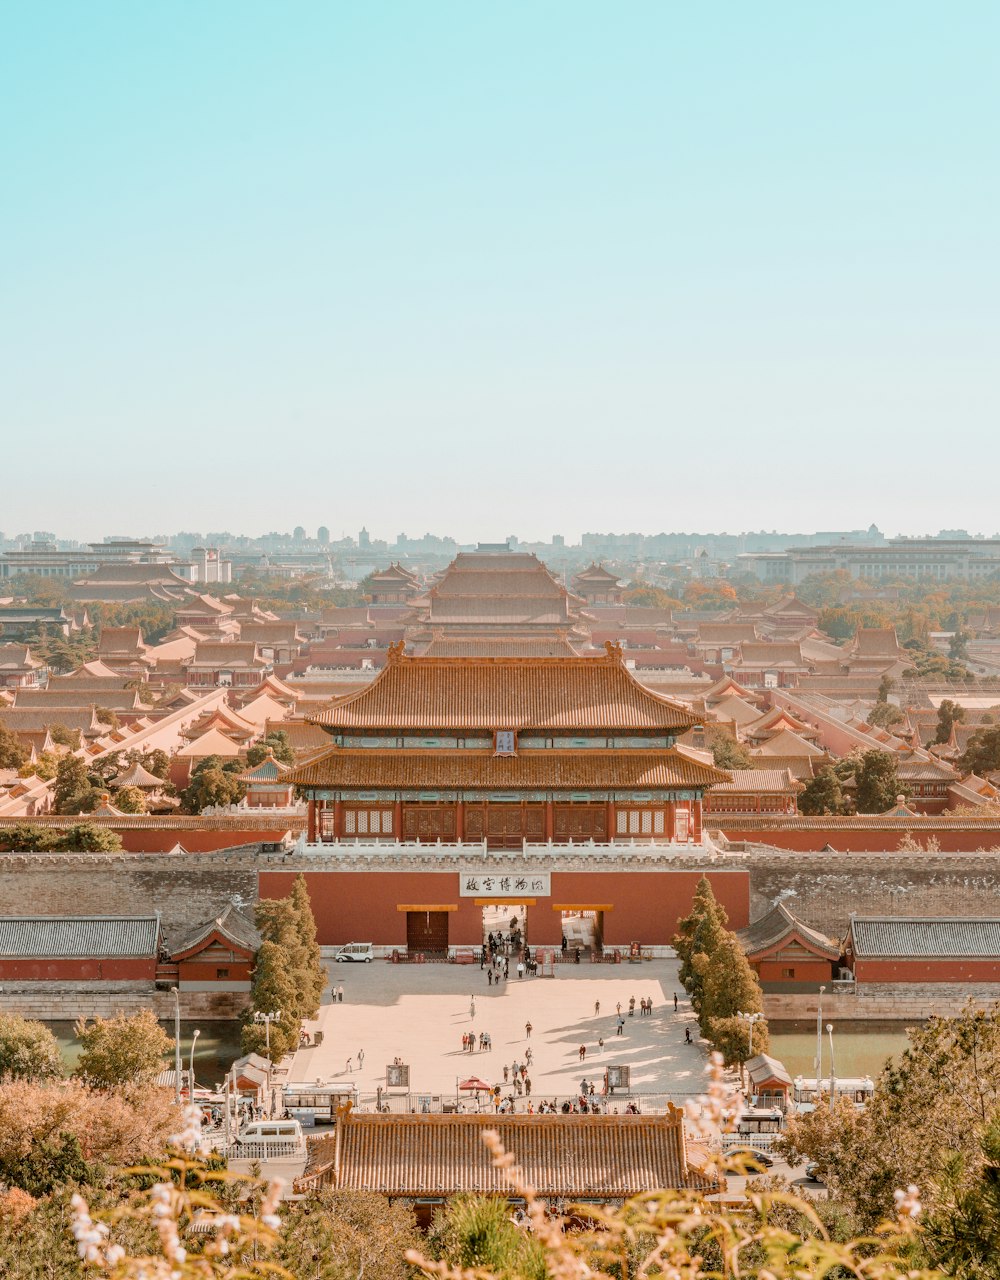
column 618, row 1008
column 583, row 1052
column 621, row 1026
column 349, row 1067
column 565, row 945
column 489, row 977
column 675, row 1002
column 527, row 1031
column 687, row 1036
column 340, row 994
column 600, row 1045
column 631, row 1007
column 361, row 1059
column 506, row 1072
column 576, row 956
column 472, row 1008
column 528, row 1055
column 527, row 1086
column 597, row 1008
column 520, row 968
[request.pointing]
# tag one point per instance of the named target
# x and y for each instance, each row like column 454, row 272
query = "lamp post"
column 267, row 1019
column 819, row 1042
column 177, row 1044
column 751, row 1018
column 833, row 1069
column 194, row 1039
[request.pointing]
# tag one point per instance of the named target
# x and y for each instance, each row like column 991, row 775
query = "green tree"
column 885, row 687
column 876, row 782
column 123, row 1050
column 106, row 716
column 949, row 714
column 730, row 988
column 29, row 837
column 13, row 752
column 698, row 934
column 130, row 800
column 962, row 1235
column 339, row 1235
column 823, row 794
column 958, row 645
column 87, row 837
column 64, row 737
column 28, row 1050
column 212, row 786
column 158, row 763
column 272, row 990
column 982, row 752
column 278, row 743
column 727, row 753
column 73, row 791
column 308, row 959
column 476, row 1233
column 884, row 715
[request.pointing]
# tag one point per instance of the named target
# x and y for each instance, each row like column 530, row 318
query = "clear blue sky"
column 474, row 268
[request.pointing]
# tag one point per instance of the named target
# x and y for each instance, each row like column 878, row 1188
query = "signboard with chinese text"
column 492, row 883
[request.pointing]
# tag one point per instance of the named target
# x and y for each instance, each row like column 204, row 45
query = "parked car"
column 753, row 1161
column 813, row 1172
column 355, row 953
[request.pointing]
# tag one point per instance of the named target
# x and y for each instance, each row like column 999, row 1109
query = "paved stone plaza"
column 419, row 1013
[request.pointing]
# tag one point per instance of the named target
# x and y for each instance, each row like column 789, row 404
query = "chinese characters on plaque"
column 505, row 884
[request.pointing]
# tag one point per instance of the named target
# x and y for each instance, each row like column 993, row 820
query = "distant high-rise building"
column 364, row 539
column 323, row 534
column 299, row 534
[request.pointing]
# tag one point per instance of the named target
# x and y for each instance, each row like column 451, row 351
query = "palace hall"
column 456, row 791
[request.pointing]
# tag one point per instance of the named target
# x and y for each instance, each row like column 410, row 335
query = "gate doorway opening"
column 508, row 923
column 584, row 929
column 427, row 932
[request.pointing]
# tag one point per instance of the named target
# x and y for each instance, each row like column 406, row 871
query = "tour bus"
column 806, row 1095
column 317, row 1104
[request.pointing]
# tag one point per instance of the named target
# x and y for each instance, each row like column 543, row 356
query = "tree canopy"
column 28, row 1050
column 128, row 1049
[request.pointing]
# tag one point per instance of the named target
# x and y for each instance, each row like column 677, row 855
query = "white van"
column 271, row 1137
column 356, row 952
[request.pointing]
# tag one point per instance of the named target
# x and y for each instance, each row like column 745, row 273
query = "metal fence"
column 417, row 1103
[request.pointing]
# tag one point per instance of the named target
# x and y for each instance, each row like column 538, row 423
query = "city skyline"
column 537, row 268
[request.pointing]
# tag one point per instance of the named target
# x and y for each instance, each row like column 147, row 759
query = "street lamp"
column 267, row 1019
column 194, row 1039
column 833, row 1069
column 819, row 1041
column 751, row 1018
column 177, row 1044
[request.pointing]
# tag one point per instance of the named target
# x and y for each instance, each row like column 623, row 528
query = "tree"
column 308, row 959
column 64, row 737
column 731, row 987
column 698, row 935
column 28, row 1050
column 73, row 791
column 958, row 645
column 962, row 1235
column 885, row 687
column 87, row 837
column 13, row 752
column 476, row 1232
column 982, row 752
column 877, row 783
column 337, row 1235
column 130, row 800
column 949, row 714
column 272, row 990
column 278, row 743
column 123, row 1050
column 884, row 715
column 934, row 1102
column 210, row 787
column 158, row 763
column 823, row 794
column 727, row 753
column 105, row 715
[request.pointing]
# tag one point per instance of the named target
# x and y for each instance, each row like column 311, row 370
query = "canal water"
column 217, row 1048
column 860, row 1048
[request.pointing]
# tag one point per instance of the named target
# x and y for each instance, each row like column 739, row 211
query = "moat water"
column 860, row 1048
column 217, row 1048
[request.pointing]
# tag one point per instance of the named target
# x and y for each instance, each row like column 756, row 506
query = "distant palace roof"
column 508, row 693
column 893, row 937
column 90, row 937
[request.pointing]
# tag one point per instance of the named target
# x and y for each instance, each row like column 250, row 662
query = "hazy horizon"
column 534, row 268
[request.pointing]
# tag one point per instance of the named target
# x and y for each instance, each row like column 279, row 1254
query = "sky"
column 486, row 269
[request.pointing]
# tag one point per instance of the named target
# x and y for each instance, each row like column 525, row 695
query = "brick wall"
column 823, row 889
column 883, row 1002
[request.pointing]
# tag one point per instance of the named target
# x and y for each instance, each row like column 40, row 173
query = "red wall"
column 163, row 839
column 950, row 970
column 856, row 839
column 805, row 970
column 358, row 906
column 143, row 970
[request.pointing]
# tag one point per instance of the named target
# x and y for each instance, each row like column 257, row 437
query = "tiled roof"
column 86, row 937
column 231, row 923
column 35, row 719
column 762, row 780
column 726, row 633
column 595, row 573
column 342, row 767
column 762, row 1067
column 507, row 693
column 573, row 1155
column 271, row 633
column 884, row 937
column 211, row 743
column 770, row 654
column 110, row 698
column 493, row 609
column 879, row 642
column 138, row 776
column 234, row 653
column 497, row 647
column 115, row 574
column 16, row 657
column 120, row 640
column 268, row 770
column 779, row 923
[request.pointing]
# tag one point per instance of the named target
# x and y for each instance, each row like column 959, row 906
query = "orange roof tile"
column 507, row 693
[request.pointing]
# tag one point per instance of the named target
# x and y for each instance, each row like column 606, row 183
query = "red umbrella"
column 475, row 1085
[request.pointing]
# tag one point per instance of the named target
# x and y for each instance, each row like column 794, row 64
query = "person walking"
column 361, row 1059
column 489, row 977
column 527, row 1031
column 527, row 1086
column 631, row 1007
column 520, row 968
column 687, row 1036
column 621, row 1026
column 472, row 1008
column 597, row 1008
column 340, row 994
column 506, row 1073
column 600, row 1045
column 675, row 1002
column 528, row 1055
column 349, row 1067
column 618, row 1008
column 583, row 1052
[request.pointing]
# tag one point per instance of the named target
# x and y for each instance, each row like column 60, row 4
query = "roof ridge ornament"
column 394, row 654
column 614, row 650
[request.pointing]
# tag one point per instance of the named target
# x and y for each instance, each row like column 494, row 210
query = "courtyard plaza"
column 418, row 1013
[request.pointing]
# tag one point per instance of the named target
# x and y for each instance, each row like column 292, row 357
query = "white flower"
column 908, row 1202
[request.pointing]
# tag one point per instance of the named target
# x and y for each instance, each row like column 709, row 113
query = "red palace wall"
column 359, row 906
column 950, row 970
column 805, row 970
column 872, row 839
column 78, row 970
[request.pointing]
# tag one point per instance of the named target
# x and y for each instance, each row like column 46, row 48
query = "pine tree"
column 314, row 976
column 730, row 988
column 877, row 782
column 698, row 935
column 272, row 990
column 823, row 794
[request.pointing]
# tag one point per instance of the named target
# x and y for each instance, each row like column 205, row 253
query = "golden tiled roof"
column 567, row 1156
column 558, row 694
column 351, row 767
